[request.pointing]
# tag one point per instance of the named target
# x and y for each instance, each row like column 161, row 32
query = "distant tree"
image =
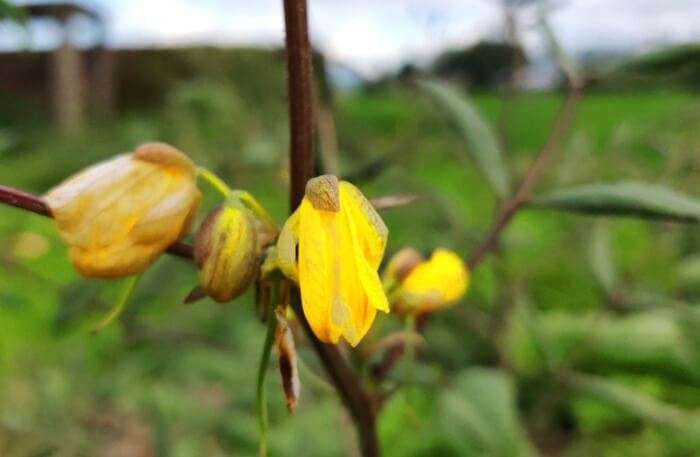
column 486, row 64
column 677, row 66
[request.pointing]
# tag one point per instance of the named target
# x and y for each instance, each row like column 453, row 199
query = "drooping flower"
column 340, row 240
column 421, row 286
column 227, row 252
column 119, row 215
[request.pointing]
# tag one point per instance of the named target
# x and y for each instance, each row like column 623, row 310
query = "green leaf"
column 481, row 141
column 479, row 415
column 629, row 400
column 568, row 66
column 636, row 199
column 601, row 257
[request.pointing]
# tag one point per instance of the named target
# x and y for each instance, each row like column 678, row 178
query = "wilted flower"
column 227, row 251
column 119, row 215
column 424, row 286
column 341, row 241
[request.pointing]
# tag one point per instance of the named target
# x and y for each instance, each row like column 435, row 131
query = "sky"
column 376, row 36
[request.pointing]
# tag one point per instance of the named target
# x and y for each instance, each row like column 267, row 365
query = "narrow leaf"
column 479, row 415
column 481, row 141
column 633, row 402
column 636, row 199
column 568, row 66
column 601, row 257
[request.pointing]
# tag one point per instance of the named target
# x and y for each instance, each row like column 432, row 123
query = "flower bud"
column 400, row 265
column 428, row 285
column 227, row 252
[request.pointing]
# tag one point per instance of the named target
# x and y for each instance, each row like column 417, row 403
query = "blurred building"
column 69, row 81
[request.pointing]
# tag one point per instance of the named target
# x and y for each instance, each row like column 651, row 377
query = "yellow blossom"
column 428, row 285
column 340, row 240
column 119, row 215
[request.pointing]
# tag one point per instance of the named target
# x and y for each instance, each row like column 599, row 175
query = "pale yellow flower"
column 428, row 285
column 340, row 240
column 119, row 215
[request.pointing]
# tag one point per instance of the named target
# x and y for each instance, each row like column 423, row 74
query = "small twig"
column 23, row 200
column 562, row 123
column 393, row 201
column 34, row 204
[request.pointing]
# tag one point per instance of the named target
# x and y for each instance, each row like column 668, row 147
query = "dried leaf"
column 284, row 340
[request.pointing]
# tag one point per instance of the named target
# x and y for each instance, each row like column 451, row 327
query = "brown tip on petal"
column 163, row 154
column 323, row 194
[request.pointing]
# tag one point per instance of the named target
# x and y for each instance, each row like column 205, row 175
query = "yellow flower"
column 118, row 216
column 428, row 285
column 341, row 241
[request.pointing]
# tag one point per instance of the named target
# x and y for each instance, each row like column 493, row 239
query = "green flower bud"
column 227, row 252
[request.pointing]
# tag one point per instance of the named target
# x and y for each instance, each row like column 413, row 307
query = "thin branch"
column 23, row 200
column 300, row 95
column 393, row 201
column 562, row 123
column 34, row 204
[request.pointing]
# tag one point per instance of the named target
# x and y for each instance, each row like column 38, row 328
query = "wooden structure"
column 73, row 86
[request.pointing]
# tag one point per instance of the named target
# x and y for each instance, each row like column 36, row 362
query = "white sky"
column 373, row 36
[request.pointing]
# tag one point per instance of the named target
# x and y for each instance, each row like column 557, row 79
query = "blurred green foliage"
column 495, row 378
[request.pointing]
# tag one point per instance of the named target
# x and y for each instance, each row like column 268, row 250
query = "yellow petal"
column 118, row 216
column 287, row 247
column 367, row 240
column 316, row 269
column 440, row 281
column 372, row 233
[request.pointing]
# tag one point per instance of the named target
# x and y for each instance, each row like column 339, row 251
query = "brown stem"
column 301, row 164
column 29, row 202
column 562, row 123
column 299, row 91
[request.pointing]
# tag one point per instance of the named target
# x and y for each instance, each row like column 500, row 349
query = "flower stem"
column 262, row 371
column 409, row 348
column 258, row 210
column 127, row 293
column 214, row 181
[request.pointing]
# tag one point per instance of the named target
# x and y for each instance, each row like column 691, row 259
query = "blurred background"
column 579, row 337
